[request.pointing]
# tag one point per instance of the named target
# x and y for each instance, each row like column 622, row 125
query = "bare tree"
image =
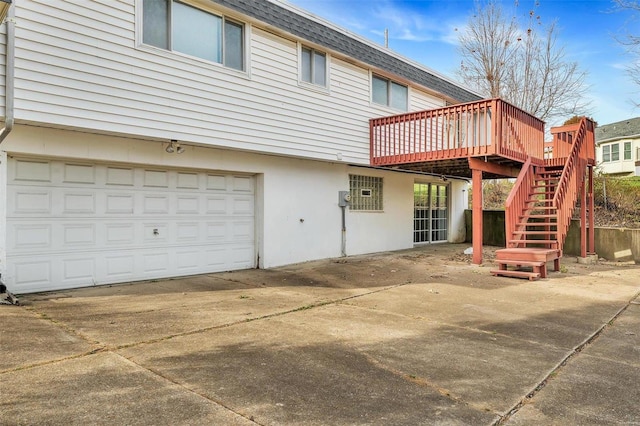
column 631, row 41
column 522, row 64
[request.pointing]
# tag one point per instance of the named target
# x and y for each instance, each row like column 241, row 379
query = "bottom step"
column 518, row 274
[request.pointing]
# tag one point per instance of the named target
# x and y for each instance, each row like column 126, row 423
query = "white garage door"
column 72, row 224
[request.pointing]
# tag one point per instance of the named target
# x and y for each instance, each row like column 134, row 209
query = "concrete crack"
column 572, row 354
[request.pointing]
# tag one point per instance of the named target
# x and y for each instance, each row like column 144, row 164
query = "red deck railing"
column 518, row 197
column 579, row 153
column 487, row 127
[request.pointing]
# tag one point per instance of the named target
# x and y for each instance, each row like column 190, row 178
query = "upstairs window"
column 313, row 66
column 606, row 153
column 389, row 93
column 179, row 27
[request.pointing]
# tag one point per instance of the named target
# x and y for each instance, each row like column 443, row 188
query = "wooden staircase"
column 542, row 202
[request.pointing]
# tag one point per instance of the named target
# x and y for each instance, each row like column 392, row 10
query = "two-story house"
column 618, row 147
column 157, row 138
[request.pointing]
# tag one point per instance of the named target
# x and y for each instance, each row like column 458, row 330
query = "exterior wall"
column 622, row 166
column 298, row 218
column 79, row 65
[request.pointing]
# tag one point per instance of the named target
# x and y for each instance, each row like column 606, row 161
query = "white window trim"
column 194, row 60
column 391, row 79
column 312, row 86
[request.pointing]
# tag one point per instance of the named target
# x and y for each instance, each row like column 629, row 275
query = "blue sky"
column 425, row 31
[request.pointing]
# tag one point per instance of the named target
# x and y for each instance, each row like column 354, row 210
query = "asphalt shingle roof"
column 315, row 32
column 618, row 130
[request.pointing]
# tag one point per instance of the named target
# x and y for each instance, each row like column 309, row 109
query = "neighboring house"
column 618, row 147
column 146, row 139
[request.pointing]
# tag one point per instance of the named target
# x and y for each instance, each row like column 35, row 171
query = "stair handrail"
column 571, row 179
column 518, row 197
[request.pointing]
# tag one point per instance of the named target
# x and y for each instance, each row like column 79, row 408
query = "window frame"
column 615, row 153
column 169, row 52
column 367, row 193
column 389, row 93
column 606, row 153
column 311, row 84
column 626, row 151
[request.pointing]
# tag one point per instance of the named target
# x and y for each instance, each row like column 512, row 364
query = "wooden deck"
column 493, row 139
column 442, row 140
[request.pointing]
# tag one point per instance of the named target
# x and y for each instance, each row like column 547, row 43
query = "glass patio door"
column 430, row 212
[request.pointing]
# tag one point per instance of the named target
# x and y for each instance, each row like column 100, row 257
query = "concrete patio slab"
column 125, row 315
column 103, row 389
column 601, row 386
column 282, row 373
column 413, row 337
column 27, row 338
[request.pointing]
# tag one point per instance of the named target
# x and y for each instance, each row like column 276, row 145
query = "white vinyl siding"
column 78, row 66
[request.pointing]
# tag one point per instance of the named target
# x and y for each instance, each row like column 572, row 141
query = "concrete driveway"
column 407, row 338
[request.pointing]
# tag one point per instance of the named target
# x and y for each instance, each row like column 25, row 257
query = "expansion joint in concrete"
column 188, row 389
column 554, row 371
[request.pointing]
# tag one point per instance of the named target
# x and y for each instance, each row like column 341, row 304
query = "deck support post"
column 584, row 205
column 592, row 222
column 477, row 215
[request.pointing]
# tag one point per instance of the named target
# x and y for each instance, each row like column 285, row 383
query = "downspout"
column 6, row 296
column 9, row 84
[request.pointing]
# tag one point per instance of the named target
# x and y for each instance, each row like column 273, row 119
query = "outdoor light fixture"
column 174, row 146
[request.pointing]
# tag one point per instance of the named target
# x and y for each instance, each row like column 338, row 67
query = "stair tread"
column 520, row 274
column 533, row 241
column 521, row 262
column 540, row 232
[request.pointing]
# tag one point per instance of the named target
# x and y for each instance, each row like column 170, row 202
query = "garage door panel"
column 78, row 202
column 216, row 182
column 153, row 263
column 78, row 235
column 32, row 273
column 119, row 267
column 121, row 234
column 188, row 204
column 29, row 236
column 156, row 179
column 216, row 205
column 156, row 204
column 31, row 170
column 78, row 270
column 79, row 173
column 25, row 200
column 188, row 261
column 119, row 203
column 188, row 181
column 242, row 257
column 242, row 184
column 120, row 176
column 73, row 224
